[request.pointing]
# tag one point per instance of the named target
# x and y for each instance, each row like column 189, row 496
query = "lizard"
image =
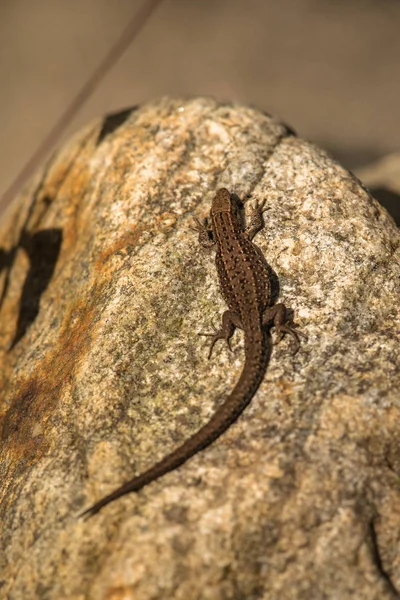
column 245, row 285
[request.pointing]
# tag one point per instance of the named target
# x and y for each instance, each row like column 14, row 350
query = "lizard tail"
column 257, row 353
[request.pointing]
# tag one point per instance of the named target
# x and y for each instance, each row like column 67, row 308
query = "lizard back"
column 243, row 276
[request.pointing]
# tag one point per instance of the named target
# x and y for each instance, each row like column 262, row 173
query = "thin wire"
column 116, row 51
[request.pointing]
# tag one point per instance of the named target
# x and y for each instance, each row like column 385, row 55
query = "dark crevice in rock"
column 113, row 121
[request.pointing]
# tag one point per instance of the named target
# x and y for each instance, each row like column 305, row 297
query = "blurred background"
column 328, row 68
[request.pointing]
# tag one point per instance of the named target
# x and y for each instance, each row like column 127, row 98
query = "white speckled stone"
column 300, row 499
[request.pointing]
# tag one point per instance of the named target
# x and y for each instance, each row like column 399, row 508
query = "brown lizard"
column 245, row 285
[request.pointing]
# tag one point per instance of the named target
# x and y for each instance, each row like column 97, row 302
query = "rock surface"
column 104, row 290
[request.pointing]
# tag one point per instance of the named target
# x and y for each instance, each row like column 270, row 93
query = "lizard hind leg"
column 278, row 315
column 230, row 321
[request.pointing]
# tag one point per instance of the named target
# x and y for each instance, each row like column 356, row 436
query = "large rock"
column 103, row 373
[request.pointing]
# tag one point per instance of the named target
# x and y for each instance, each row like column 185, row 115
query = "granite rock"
column 103, row 292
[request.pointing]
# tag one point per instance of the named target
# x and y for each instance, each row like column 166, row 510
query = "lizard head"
column 224, row 201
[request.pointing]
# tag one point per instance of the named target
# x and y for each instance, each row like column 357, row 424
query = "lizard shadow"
column 389, row 199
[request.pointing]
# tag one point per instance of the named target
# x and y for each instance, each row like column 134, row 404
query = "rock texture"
column 104, row 290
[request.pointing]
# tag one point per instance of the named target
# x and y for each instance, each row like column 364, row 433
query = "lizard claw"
column 215, row 337
column 217, row 334
column 285, row 328
column 205, row 232
column 259, row 206
column 198, row 226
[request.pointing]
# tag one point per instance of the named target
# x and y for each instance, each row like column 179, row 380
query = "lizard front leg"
column 256, row 221
column 206, row 233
